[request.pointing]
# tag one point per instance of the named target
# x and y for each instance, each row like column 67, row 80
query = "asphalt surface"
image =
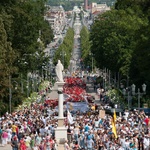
column 76, row 53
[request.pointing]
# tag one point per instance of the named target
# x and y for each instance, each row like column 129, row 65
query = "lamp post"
column 10, row 92
column 27, row 86
column 91, row 54
column 139, row 94
column 112, row 82
column 126, row 92
column 104, row 79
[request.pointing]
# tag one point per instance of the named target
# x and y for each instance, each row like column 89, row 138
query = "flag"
column 69, row 117
column 66, row 96
column 113, row 122
column 114, row 116
column 114, row 128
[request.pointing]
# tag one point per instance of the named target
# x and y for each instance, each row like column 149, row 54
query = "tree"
column 113, row 39
column 7, row 57
column 85, row 46
column 139, row 72
column 20, row 22
column 29, row 17
column 64, row 51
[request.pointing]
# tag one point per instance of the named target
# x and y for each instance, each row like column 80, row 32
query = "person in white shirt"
column 121, row 148
column 66, row 146
column 42, row 131
column 89, row 144
column 96, row 122
column 98, row 91
column 122, row 141
column 35, row 147
column 127, row 143
column 38, row 139
column 146, row 142
column 76, row 133
column 9, row 131
column 126, row 114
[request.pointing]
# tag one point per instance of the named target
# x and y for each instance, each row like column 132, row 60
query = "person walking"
column 4, row 138
column 14, row 129
column 14, row 143
column 66, row 145
column 22, row 145
column 69, row 135
column 89, row 144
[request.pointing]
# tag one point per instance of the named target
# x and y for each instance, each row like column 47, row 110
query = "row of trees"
column 20, row 53
column 85, row 46
column 64, row 52
column 120, row 40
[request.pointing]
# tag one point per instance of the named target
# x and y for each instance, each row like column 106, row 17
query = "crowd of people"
column 34, row 129
column 94, row 133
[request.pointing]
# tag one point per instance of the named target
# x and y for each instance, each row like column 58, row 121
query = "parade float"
column 75, row 96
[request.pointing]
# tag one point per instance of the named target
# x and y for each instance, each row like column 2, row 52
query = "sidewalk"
column 7, row 147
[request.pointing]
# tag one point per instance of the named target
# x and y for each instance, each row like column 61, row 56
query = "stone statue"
column 58, row 69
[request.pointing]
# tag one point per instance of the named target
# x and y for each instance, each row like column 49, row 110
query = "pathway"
column 7, row 147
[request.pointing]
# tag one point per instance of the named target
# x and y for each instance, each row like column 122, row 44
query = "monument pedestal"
column 61, row 122
column 61, row 130
column 61, row 134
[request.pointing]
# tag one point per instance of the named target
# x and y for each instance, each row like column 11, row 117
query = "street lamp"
column 10, row 91
column 91, row 54
column 126, row 92
column 139, row 94
column 112, row 82
column 27, row 87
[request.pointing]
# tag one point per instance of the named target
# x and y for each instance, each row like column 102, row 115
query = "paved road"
column 76, row 53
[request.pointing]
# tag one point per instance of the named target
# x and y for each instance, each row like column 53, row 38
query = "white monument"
column 59, row 69
column 61, row 130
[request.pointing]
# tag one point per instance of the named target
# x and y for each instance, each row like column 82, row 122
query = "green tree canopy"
column 20, row 23
column 113, row 39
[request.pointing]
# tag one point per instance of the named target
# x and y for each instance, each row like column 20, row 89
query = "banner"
column 77, row 106
column 69, row 117
column 102, row 113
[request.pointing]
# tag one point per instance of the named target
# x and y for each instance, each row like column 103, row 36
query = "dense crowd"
column 94, row 133
column 34, row 129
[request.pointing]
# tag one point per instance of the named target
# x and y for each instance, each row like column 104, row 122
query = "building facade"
column 57, row 18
